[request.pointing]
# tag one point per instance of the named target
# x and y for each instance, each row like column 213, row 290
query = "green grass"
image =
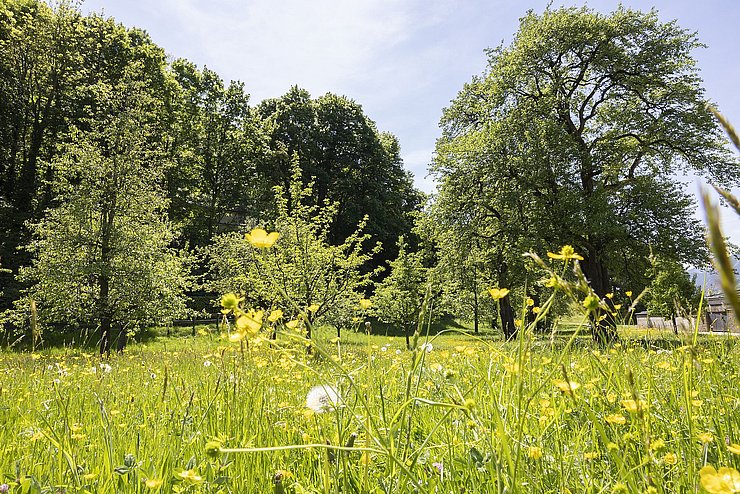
column 471, row 415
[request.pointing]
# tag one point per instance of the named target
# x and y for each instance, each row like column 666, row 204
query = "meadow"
column 364, row 414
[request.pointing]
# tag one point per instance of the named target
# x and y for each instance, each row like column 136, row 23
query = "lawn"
column 459, row 414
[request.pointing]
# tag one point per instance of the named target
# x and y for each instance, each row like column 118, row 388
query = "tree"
column 349, row 160
column 400, row 296
column 302, row 273
column 102, row 253
column 51, row 62
column 216, row 144
column 672, row 290
column 574, row 134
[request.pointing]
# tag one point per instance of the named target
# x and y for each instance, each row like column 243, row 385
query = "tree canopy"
column 575, row 134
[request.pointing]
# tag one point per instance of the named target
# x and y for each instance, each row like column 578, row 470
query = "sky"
column 402, row 60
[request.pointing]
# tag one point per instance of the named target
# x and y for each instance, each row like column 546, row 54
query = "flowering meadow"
column 365, row 414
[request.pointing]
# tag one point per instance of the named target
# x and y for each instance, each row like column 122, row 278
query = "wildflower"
column 313, row 308
column 734, row 448
column 567, row 252
column 322, row 398
column 275, row 315
column 213, row 448
column 534, row 452
column 153, row 483
column 365, row 304
column 706, row 437
column 619, row 488
column 498, row 293
column 724, row 481
column 230, row 302
column 278, row 478
column 529, row 302
column 657, row 445
column 590, row 455
column 440, row 467
column 553, row 282
column 207, row 363
column 617, row 419
column 250, row 323
column 426, row 347
column 591, row 302
column 260, row 239
column 633, row 406
column 670, row 458
column 628, row 293
column 190, row 476
column 4, row 488
column 566, row 387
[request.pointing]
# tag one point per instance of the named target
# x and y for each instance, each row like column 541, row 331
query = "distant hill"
column 711, row 277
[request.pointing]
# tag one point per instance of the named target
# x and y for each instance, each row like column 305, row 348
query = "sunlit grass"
column 464, row 414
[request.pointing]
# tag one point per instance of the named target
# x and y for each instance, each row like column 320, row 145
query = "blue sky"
column 402, row 60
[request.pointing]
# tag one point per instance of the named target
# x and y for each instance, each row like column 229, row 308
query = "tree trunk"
column 105, row 318
column 507, row 318
column 475, row 310
column 122, row 338
column 604, row 331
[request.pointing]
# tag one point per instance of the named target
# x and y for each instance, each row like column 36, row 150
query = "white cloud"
column 322, row 45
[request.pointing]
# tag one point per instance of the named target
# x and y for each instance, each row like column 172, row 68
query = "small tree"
column 301, row 272
column 671, row 289
column 102, row 254
column 399, row 298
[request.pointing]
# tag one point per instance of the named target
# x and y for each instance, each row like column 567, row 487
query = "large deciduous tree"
column 575, row 135
column 353, row 164
column 102, row 253
column 215, row 142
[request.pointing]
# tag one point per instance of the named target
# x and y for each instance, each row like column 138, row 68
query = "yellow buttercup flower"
column 616, row 419
column 365, row 304
column 313, row 307
column 153, row 483
column 670, row 458
column 250, row 323
column 706, row 437
column 566, row 386
column 534, row 452
column 190, row 476
column 275, row 315
column 567, row 252
column 634, row 406
column 498, row 293
column 723, row 481
column 260, row 239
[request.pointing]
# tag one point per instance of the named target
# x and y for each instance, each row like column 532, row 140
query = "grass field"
column 459, row 414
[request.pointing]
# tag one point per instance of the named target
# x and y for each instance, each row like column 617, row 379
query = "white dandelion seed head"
column 427, row 347
column 207, row 363
column 322, row 398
